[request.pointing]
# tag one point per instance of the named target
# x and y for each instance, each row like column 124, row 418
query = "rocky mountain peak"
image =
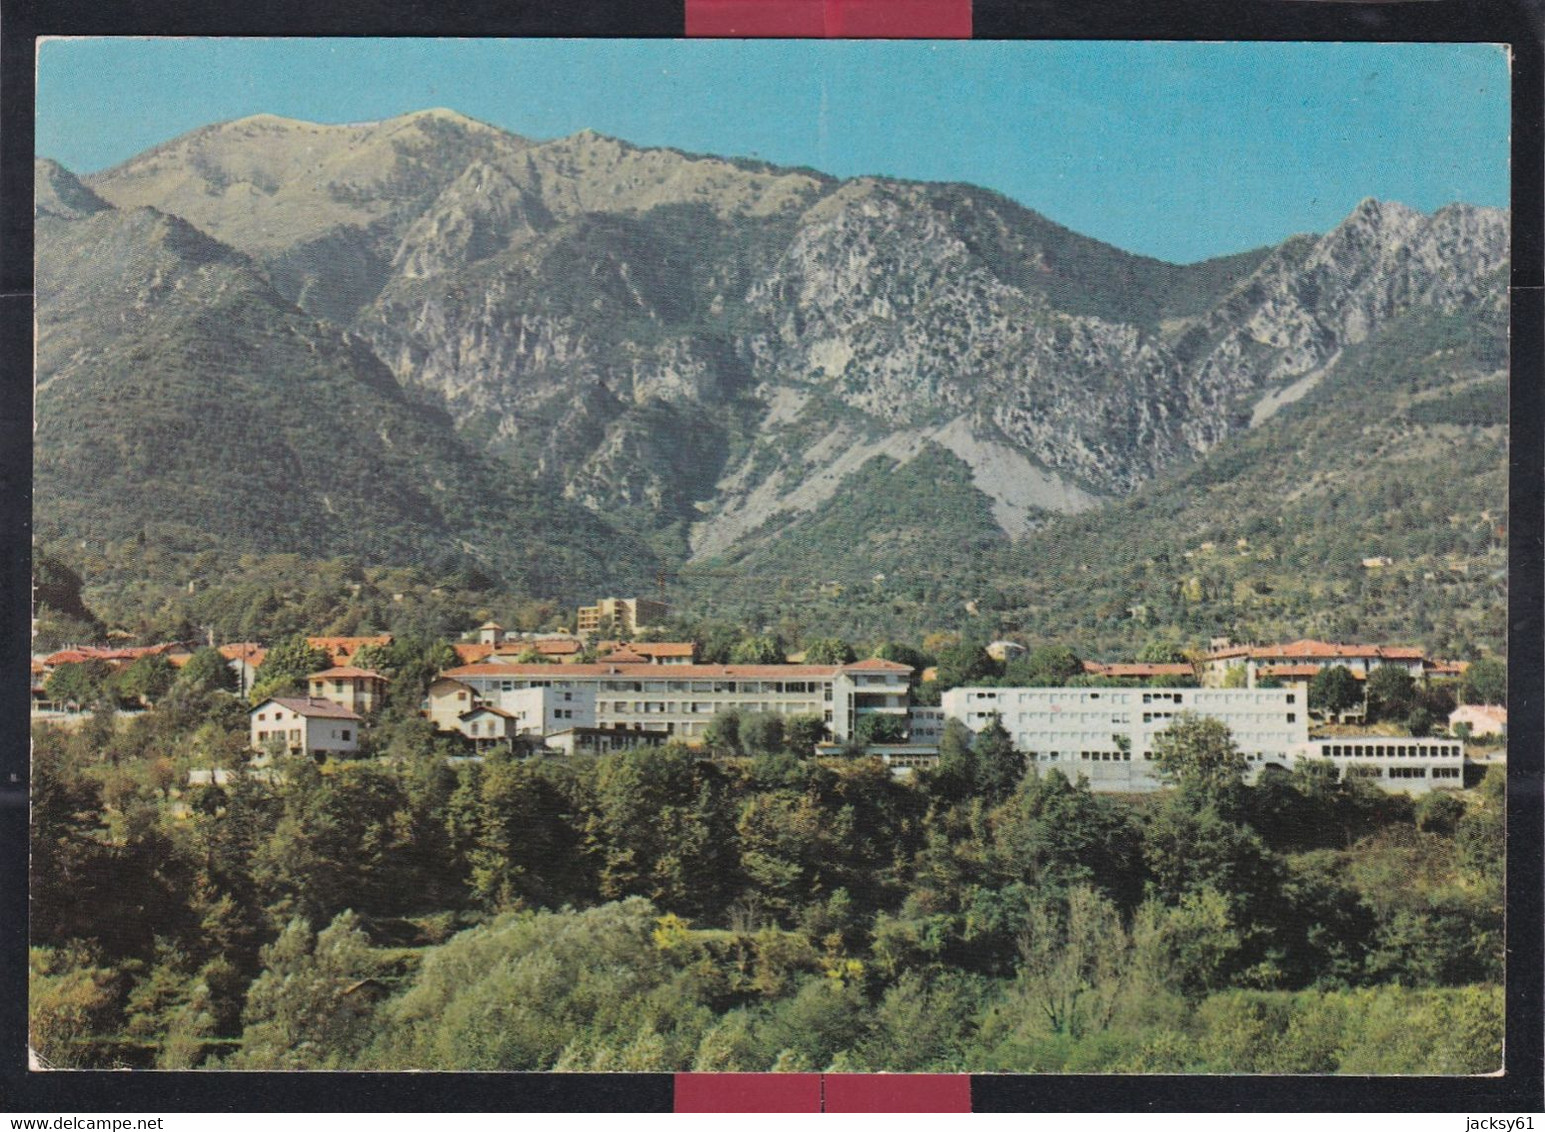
column 58, row 192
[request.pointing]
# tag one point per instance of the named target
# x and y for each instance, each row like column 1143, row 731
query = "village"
column 607, row 686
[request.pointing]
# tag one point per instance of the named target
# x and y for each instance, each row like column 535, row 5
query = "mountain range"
column 581, row 363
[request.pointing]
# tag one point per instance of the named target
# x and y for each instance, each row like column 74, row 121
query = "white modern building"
column 682, row 699
column 1107, row 734
column 1396, row 763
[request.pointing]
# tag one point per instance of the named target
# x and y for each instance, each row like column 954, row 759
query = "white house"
column 316, row 727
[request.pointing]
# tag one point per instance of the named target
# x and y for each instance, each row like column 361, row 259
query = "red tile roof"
column 647, row 648
column 342, row 648
column 314, row 708
column 653, row 671
column 117, row 655
column 346, row 670
column 484, row 707
column 1137, row 671
column 248, row 651
column 1298, row 671
column 471, row 654
column 1318, row 650
column 875, row 664
column 553, row 648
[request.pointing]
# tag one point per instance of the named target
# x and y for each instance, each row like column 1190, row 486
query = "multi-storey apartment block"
column 1107, row 734
column 623, row 615
column 682, row 699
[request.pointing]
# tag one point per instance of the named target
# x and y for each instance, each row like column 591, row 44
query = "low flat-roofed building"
column 1395, row 762
column 601, row 740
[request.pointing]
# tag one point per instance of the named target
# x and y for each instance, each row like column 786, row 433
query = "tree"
column 1333, row 691
column 1391, row 692
column 1052, row 666
column 715, row 642
column 829, row 650
column 905, row 654
column 1073, row 953
column 83, row 684
column 762, row 733
column 955, row 776
column 964, row 663
column 1485, row 682
column 286, row 668
column 146, row 680
column 311, row 1007
column 1161, row 652
column 758, row 650
column 878, row 728
column 722, row 735
column 999, row 767
column 206, row 671
column 802, row 732
column 1199, row 755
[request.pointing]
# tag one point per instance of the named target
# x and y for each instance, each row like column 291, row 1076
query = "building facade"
column 532, row 708
column 315, row 727
column 1396, row 763
column 623, row 615
column 357, row 689
column 681, row 700
column 1107, row 734
column 1304, row 659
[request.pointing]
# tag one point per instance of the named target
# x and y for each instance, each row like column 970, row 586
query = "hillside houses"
column 1303, row 660
column 556, row 693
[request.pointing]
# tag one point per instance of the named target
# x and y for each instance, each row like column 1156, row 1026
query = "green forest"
column 756, row 910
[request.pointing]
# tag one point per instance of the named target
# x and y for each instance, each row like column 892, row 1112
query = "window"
column 1292, row 717
column 261, row 717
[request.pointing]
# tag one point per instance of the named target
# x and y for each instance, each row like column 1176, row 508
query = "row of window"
column 1392, row 750
column 1369, row 770
column 695, row 707
column 744, row 687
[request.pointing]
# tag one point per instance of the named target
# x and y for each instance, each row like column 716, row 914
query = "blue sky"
column 1179, row 151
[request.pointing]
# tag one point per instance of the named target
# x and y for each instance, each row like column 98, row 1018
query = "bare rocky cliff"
column 702, row 345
